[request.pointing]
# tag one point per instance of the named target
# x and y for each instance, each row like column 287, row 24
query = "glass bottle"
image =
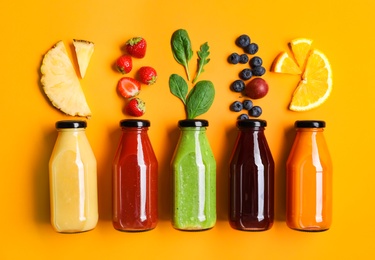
column 73, row 180
column 135, row 179
column 309, row 179
column 251, row 179
column 193, row 178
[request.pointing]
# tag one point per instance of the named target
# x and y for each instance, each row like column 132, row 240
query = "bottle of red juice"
column 135, row 179
column 251, row 179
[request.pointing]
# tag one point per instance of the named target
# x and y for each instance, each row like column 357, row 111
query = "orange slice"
column 300, row 48
column 285, row 64
column 316, row 84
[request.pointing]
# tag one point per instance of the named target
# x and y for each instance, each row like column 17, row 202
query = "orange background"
column 341, row 30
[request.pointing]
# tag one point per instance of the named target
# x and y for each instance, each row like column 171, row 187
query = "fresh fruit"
column 147, row 75
column 252, row 48
column 285, row 64
column 234, row 58
column 61, row 84
column 316, row 83
column 237, row 86
column 236, row 106
column 255, row 61
column 124, row 64
column 136, row 47
column 242, row 117
column 244, row 58
column 247, row 104
column 256, row 88
column 243, row 40
column 128, row 87
column 135, row 107
column 245, row 74
column 84, row 50
column 300, row 48
column 258, row 71
column 255, row 111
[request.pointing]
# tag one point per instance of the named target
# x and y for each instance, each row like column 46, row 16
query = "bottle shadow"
column 165, row 182
column 280, row 174
column 41, row 179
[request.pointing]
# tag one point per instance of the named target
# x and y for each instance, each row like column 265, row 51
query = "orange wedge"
column 285, row 64
column 315, row 85
column 300, row 48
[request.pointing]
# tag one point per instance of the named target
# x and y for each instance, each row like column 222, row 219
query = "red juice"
column 135, row 179
column 251, row 179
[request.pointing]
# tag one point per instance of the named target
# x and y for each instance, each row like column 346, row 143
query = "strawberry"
column 136, row 47
column 147, row 75
column 128, row 87
column 124, row 64
column 135, row 107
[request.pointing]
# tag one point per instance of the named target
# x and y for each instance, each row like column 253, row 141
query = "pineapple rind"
column 84, row 50
column 61, row 84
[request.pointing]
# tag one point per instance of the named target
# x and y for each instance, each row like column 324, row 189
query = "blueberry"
column 255, row 62
column 242, row 116
column 237, row 86
column 246, row 74
column 258, row 71
column 252, row 48
column 256, row 111
column 236, row 106
column 234, row 58
column 244, row 58
column 247, row 104
column 243, row 41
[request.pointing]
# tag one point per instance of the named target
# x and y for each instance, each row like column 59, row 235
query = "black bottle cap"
column 310, row 124
column 193, row 123
column 134, row 123
column 70, row 124
column 251, row 123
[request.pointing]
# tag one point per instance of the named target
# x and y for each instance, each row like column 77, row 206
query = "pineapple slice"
column 61, row 84
column 84, row 50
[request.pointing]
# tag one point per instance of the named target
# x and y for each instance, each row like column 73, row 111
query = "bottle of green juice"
column 193, row 178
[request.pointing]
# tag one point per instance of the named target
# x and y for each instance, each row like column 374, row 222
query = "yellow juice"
column 73, row 183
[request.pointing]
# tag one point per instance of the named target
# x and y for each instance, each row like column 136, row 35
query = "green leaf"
column 181, row 49
column 203, row 53
column 200, row 99
column 178, row 87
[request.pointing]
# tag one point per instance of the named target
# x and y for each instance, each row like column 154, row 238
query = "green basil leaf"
column 178, row 87
column 200, row 99
column 181, row 49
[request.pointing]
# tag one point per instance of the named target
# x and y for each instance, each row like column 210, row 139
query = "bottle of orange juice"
column 73, row 180
column 309, row 179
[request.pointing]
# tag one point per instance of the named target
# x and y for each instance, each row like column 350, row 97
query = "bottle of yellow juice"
column 73, row 180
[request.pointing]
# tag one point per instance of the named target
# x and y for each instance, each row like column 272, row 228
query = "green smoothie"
column 194, row 181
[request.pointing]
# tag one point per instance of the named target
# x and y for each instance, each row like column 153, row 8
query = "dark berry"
column 234, row 58
column 259, row 71
column 252, row 48
column 242, row 116
column 244, row 58
column 255, row 62
column 243, row 41
column 236, row 106
column 246, row 74
column 237, row 86
column 255, row 111
column 247, row 104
